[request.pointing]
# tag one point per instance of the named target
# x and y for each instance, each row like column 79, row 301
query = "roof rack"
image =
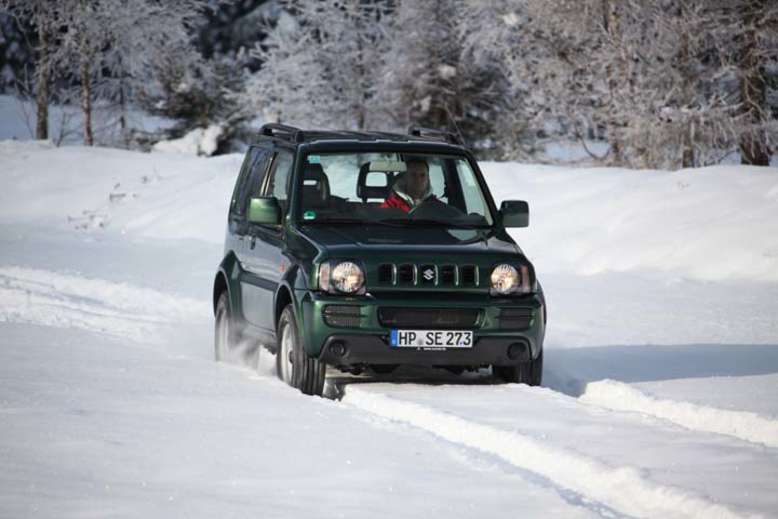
column 282, row 131
column 296, row 135
column 420, row 131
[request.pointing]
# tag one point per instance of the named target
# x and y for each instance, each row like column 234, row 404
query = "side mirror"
column 515, row 213
column 265, row 211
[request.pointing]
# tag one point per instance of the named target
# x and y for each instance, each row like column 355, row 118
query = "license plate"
column 431, row 339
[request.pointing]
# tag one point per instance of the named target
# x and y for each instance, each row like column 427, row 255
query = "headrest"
column 365, row 191
column 316, row 186
column 314, row 171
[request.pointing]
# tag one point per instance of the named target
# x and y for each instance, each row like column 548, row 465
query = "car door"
column 264, row 254
column 260, row 159
column 236, row 218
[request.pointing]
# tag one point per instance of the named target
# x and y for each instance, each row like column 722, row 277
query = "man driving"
column 411, row 188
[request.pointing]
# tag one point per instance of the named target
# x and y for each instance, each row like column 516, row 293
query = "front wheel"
column 224, row 329
column 293, row 365
column 530, row 373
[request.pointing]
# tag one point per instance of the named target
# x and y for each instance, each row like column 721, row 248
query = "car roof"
column 416, row 135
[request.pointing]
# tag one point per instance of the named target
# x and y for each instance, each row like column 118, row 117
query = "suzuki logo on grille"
column 429, row 274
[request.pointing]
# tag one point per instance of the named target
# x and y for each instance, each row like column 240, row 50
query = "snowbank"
column 66, row 301
column 740, row 424
column 157, row 195
column 710, row 224
column 200, row 141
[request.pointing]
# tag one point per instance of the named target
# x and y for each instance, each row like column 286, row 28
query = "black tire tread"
column 308, row 372
column 530, row 373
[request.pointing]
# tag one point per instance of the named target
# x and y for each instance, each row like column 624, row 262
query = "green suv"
column 369, row 250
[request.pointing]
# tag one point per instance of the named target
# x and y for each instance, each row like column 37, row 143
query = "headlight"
column 345, row 277
column 507, row 279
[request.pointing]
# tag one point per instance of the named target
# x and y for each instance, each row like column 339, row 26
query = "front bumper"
column 366, row 341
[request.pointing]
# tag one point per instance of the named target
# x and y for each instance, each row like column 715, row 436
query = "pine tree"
column 438, row 77
column 320, row 64
column 113, row 49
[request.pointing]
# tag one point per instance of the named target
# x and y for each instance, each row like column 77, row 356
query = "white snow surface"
column 200, row 141
column 660, row 394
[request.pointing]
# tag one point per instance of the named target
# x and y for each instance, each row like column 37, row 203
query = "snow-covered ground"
column 660, row 395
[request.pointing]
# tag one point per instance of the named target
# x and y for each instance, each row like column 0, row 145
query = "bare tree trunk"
column 361, row 75
column 687, row 158
column 688, row 87
column 122, row 105
column 123, row 115
column 86, row 100
column 42, row 86
column 611, row 24
column 753, row 89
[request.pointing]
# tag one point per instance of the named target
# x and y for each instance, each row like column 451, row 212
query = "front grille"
column 469, row 275
column 386, row 274
column 448, row 275
column 515, row 318
column 405, row 274
column 428, row 275
column 342, row 316
column 428, row 318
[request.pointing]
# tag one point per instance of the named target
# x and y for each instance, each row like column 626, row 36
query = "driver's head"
column 417, row 178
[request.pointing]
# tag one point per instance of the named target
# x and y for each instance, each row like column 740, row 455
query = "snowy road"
column 118, row 408
column 660, row 397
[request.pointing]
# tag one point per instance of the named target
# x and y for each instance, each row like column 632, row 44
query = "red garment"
column 394, row 200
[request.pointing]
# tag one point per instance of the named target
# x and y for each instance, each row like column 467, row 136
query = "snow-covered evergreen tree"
column 46, row 16
column 145, row 36
column 434, row 76
column 660, row 79
column 15, row 53
column 320, row 65
column 117, row 50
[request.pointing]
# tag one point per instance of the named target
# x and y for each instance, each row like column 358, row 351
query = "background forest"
column 638, row 83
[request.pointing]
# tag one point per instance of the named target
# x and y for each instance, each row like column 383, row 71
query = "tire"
column 225, row 331
column 293, row 365
column 530, row 373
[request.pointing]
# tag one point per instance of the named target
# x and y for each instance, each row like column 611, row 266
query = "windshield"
column 396, row 189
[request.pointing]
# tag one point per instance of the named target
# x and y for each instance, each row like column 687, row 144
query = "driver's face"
column 417, row 179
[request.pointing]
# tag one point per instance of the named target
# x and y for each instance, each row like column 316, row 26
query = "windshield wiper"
column 410, row 222
column 350, row 221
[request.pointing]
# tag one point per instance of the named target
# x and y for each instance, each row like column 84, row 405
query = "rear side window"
column 250, row 180
column 241, row 180
column 278, row 180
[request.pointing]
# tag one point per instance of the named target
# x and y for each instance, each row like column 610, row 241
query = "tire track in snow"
column 621, row 488
column 66, row 301
column 619, row 396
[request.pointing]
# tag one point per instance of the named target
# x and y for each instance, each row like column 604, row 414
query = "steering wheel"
column 435, row 209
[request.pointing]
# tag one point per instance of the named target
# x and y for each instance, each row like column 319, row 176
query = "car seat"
column 366, row 192
column 316, row 187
